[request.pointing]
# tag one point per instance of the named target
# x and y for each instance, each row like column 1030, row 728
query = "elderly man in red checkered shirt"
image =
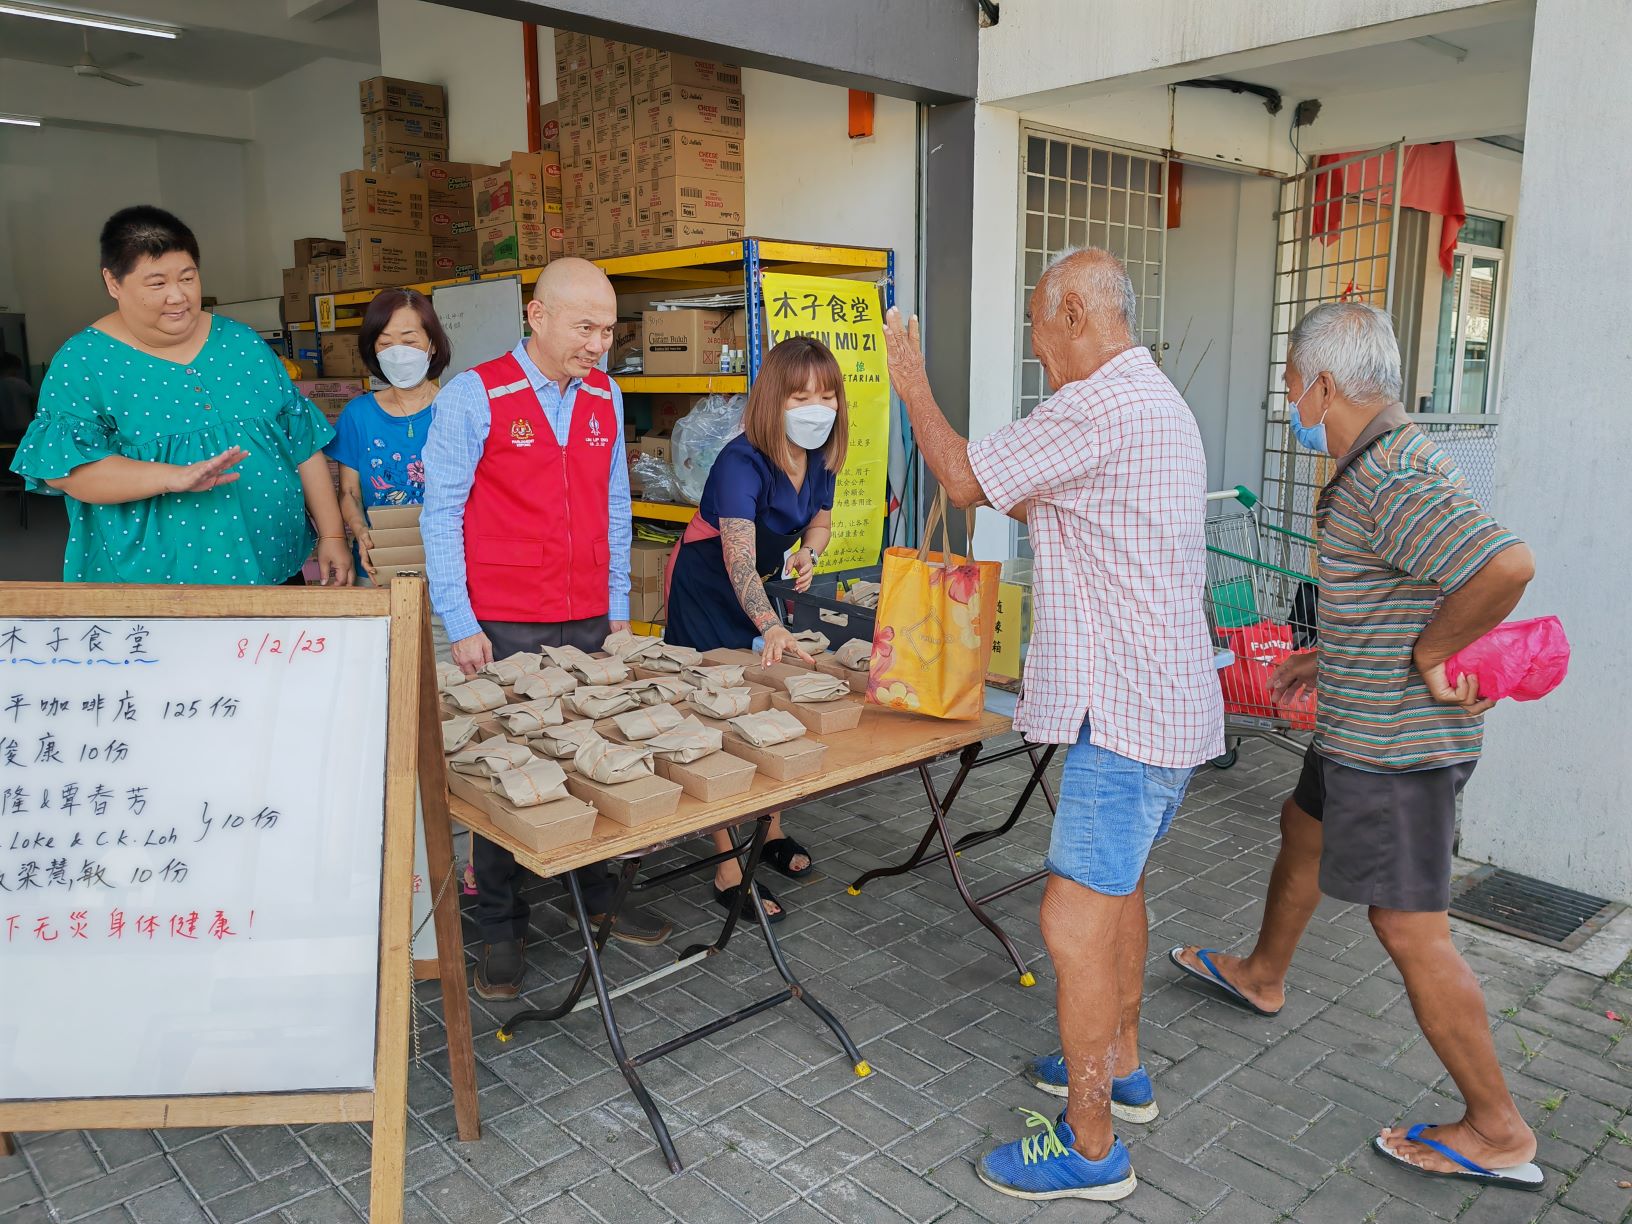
column 1109, row 475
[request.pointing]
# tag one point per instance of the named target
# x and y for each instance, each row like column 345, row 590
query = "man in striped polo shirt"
column 1411, row 570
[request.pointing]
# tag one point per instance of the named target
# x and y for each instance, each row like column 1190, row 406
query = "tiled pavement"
column 1262, row 1120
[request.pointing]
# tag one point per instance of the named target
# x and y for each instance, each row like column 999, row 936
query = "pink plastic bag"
column 1523, row 660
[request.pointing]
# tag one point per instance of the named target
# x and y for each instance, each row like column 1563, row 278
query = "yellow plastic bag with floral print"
column 932, row 640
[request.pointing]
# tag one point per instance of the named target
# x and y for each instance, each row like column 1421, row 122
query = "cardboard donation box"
column 382, row 202
column 689, row 341
column 396, row 94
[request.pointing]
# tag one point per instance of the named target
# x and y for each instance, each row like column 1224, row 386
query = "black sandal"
column 727, row 898
column 779, row 853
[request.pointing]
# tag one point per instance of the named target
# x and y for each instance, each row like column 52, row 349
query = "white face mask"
column 809, row 424
column 403, row 365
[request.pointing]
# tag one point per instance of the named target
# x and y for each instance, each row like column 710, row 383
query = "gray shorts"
column 1387, row 838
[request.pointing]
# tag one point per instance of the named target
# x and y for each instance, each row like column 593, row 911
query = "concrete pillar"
column 1553, row 796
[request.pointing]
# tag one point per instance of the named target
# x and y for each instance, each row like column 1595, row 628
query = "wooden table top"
column 885, row 742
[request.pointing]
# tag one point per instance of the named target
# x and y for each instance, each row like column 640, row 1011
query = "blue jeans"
column 1112, row 809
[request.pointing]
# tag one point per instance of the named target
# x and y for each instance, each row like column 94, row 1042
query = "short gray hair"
column 1352, row 342
column 1098, row 276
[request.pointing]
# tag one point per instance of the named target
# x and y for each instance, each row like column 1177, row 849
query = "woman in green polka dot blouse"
column 184, row 452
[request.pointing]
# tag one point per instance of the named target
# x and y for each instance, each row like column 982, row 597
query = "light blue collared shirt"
column 453, row 447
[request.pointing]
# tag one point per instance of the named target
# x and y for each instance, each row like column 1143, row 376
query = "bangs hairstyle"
column 793, row 365
column 143, row 231
column 378, row 317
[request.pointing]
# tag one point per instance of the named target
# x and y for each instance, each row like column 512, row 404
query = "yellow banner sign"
column 847, row 316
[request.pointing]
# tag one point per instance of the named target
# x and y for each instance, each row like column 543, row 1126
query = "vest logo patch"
column 521, row 433
column 595, row 438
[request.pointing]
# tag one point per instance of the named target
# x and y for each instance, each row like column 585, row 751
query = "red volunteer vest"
column 535, row 519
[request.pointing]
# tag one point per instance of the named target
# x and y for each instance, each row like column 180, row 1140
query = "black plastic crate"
column 820, row 608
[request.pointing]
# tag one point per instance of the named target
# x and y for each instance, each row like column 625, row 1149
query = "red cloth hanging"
column 1430, row 182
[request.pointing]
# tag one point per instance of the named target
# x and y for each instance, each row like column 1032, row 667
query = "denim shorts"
column 1111, row 811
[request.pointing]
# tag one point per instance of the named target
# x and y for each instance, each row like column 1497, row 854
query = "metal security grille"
column 1074, row 193
column 1531, row 909
column 1335, row 241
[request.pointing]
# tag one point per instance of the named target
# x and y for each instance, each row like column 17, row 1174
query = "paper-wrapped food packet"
column 544, row 683
column 490, row 757
column 512, row 668
column 815, row 686
column 562, row 742
column 476, row 696
column 720, row 702
column 526, row 717
column 689, row 741
column 609, row 763
column 644, row 723
column 771, row 727
column 538, row 781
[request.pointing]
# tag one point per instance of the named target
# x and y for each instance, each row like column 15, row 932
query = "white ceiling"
column 231, row 44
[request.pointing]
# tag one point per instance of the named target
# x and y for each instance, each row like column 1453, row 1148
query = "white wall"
column 308, row 132
column 1552, row 793
column 478, row 58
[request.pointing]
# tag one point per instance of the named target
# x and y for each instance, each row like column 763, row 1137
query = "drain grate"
column 1531, row 909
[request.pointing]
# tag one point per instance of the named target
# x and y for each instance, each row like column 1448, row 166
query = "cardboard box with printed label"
column 571, row 52
column 611, row 164
column 381, row 201
column 609, row 86
column 502, row 198
column 576, row 93
column 689, row 341
column 451, row 259
column 447, row 184
column 324, row 275
column 657, row 446
column 522, row 244
column 675, row 235
column 382, row 158
column 578, row 136
column 665, row 68
column 614, row 126
column 578, row 182
column 549, row 126
column 377, row 259
column 446, row 223
column 340, row 358
column 614, row 213
column 544, row 167
column 308, row 249
column 606, row 50
column 396, row 94
column 297, row 303
column 405, row 127
column 668, row 409
column 685, row 108
column 708, row 201
column 688, row 155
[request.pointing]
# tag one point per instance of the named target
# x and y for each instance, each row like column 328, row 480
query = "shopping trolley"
column 1260, row 608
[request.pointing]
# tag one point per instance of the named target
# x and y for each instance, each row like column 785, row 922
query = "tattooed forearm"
column 737, row 542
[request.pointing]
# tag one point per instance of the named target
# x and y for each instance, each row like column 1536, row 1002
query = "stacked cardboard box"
column 517, row 211
column 688, row 341
column 313, row 273
column 452, row 213
column 651, row 147
column 386, row 218
column 647, row 562
column 403, row 121
column 398, row 546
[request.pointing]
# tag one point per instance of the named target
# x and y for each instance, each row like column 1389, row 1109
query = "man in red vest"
column 527, row 531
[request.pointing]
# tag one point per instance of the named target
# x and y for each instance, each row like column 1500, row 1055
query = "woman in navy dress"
column 770, row 488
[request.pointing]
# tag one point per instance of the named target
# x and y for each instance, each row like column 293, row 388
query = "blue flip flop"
column 1214, row 978
column 1527, row 1176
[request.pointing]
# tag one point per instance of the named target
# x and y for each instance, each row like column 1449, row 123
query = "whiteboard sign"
column 191, row 836
column 482, row 320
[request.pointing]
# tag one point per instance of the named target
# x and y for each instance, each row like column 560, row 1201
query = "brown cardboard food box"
column 394, row 93
column 381, row 202
column 308, row 249
column 405, row 127
column 685, row 108
column 798, row 758
column 506, row 198
column 662, row 68
column 719, row 775
column 615, row 214
column 340, row 356
column 822, row 717
column 383, row 574
column 447, row 183
column 828, row 665
column 412, row 554
column 578, row 135
column 542, row 827
column 609, row 85
column 689, row 155
column 396, row 537
column 571, row 52
column 628, row 803
column 388, row 517
column 606, row 50
column 578, row 180
column 297, row 303
column 709, row 201
column 613, row 126
column 545, row 167
column 451, row 223
column 689, row 341
column 615, row 168
column 376, row 259
column 383, row 158
column 549, row 126
column 696, row 233
column 755, row 671
column 452, row 258
column 524, row 244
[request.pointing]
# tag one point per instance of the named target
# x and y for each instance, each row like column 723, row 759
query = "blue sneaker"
column 1132, row 1097
column 1046, row 1166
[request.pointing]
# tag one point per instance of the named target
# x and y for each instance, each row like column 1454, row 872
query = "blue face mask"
column 1313, row 437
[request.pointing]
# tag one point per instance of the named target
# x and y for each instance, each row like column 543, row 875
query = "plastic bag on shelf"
column 655, row 478
column 699, row 436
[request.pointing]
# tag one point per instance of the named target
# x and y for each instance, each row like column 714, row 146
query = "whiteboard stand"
column 413, row 754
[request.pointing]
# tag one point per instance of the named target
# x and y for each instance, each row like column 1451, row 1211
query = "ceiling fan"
column 89, row 67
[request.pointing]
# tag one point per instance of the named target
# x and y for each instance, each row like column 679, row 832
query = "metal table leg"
column 968, row 760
